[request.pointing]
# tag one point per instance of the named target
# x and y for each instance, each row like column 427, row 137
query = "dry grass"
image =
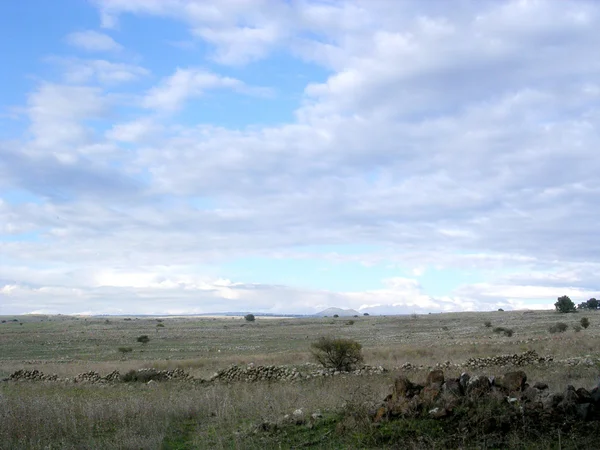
column 57, row 416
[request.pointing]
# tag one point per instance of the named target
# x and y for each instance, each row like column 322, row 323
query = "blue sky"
column 187, row 156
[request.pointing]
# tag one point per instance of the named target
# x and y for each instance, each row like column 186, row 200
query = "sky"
column 286, row 156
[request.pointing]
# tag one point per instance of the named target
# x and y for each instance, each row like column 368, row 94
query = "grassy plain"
column 182, row 415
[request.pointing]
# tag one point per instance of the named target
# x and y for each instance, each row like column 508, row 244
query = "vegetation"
column 559, row 327
column 584, row 322
column 564, row 305
column 487, row 324
column 124, row 350
column 506, row 331
column 143, row 339
column 249, row 317
column 339, row 354
column 591, row 304
column 170, row 415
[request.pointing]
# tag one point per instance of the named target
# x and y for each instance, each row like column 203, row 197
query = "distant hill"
column 339, row 311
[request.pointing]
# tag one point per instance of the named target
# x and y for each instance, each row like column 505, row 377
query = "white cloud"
column 80, row 71
column 93, row 41
column 456, row 136
column 188, row 83
column 57, row 111
column 140, row 130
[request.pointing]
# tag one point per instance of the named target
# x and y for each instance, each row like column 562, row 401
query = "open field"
column 213, row 415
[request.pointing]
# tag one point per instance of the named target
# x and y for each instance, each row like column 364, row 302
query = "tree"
column 564, row 305
column 144, row 339
column 249, row 317
column 339, row 354
column 592, row 303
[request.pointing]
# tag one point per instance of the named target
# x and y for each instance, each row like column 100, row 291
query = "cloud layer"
column 447, row 138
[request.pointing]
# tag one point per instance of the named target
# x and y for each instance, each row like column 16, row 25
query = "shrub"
column 125, row 350
column 160, row 325
column 577, row 328
column 335, row 316
column 350, row 322
column 487, row 324
column 249, row 317
column 585, row 322
column 365, row 314
column 564, row 305
column 142, row 376
column 507, row 331
column 144, row 339
column 500, row 309
column 339, row 354
column 559, row 327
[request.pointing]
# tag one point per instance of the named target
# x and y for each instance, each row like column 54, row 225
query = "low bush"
column 339, row 354
column 559, row 327
column 506, row 331
column 577, row 328
column 144, row 339
column 487, row 324
column 584, row 322
column 249, row 317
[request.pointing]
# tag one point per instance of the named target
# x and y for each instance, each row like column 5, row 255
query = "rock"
column 512, row 381
column 478, row 385
column 584, row 411
column 464, row 381
column 438, row 412
column 430, row 393
column 583, row 396
column 530, row 394
column 452, row 387
column 402, row 386
column 435, row 377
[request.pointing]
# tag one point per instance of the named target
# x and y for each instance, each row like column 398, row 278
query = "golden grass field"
column 59, row 415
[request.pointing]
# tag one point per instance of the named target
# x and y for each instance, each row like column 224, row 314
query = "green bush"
column 507, row 331
column 577, row 328
column 144, row 339
column 559, row 327
column 339, row 354
column 585, row 322
column 487, row 324
column 249, row 317
column 350, row 322
column 565, row 305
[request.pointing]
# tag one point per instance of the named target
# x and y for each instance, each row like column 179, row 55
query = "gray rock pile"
column 31, row 375
column 253, row 373
column 440, row 397
column 519, row 359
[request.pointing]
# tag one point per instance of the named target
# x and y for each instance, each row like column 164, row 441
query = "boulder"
column 512, row 381
column 435, row 377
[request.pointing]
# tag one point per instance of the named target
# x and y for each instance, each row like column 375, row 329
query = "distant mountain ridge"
column 339, row 311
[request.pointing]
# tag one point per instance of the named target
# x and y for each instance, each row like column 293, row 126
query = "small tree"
column 339, row 354
column 365, row 314
column 592, row 303
column 585, row 322
column 564, row 305
column 249, row 317
column 144, row 339
column 335, row 316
